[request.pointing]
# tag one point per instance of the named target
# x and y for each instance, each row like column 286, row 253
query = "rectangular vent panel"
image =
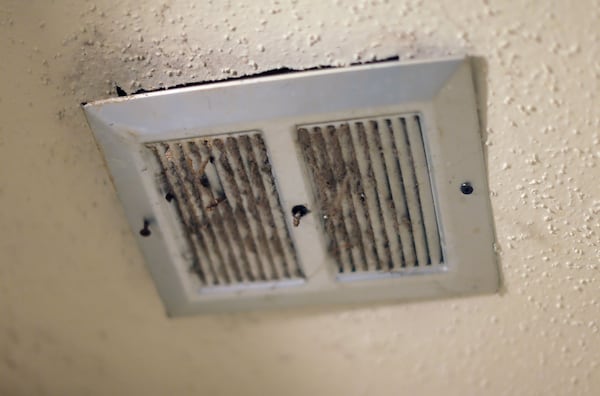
column 228, row 205
column 372, row 187
column 323, row 196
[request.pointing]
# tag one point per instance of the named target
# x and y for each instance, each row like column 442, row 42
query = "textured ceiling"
column 79, row 313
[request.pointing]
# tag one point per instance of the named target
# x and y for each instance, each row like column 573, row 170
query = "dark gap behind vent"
column 272, row 72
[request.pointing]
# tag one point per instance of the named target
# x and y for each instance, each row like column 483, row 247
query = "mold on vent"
column 226, row 198
column 275, row 192
column 371, row 182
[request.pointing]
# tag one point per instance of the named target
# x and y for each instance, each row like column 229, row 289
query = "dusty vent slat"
column 225, row 196
column 371, row 183
column 425, row 194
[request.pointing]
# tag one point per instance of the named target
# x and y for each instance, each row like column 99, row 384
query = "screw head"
column 466, row 188
column 145, row 232
column 298, row 211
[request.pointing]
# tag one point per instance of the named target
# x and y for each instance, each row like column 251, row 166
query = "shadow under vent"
column 371, row 184
column 227, row 201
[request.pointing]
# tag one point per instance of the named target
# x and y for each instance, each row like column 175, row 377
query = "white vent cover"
column 341, row 185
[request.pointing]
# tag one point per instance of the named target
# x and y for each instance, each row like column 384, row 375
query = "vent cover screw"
column 466, row 188
column 145, row 232
column 298, row 212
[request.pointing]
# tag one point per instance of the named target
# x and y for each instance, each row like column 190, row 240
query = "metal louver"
column 225, row 194
column 276, row 192
column 372, row 186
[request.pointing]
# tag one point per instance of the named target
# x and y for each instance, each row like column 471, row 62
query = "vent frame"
column 123, row 126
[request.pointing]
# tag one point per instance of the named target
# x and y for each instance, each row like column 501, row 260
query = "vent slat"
column 241, row 228
column 250, row 209
column 386, row 200
column 222, row 213
column 372, row 188
column 343, row 194
column 191, row 220
column 186, row 191
column 363, row 157
column 322, row 197
column 395, row 177
column 204, row 204
column 269, row 207
column 417, row 145
column 273, row 263
column 333, row 190
column 192, row 194
column 411, row 187
column 357, row 195
column 230, row 215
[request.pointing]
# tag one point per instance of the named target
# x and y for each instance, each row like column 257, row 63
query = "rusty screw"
column 298, row 212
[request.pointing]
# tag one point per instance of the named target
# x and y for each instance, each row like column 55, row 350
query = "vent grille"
column 227, row 201
column 371, row 183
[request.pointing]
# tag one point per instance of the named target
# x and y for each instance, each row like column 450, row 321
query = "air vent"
column 371, row 182
column 348, row 185
column 226, row 198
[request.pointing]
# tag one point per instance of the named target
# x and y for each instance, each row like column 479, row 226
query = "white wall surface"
column 79, row 314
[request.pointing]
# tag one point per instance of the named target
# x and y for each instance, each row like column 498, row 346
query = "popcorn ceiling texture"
column 78, row 312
